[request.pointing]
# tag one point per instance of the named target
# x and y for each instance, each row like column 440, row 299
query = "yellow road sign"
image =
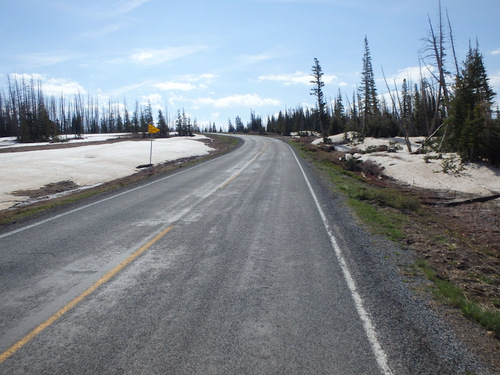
column 152, row 129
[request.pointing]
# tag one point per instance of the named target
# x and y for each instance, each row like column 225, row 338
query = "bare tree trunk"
column 452, row 41
column 437, row 45
column 401, row 121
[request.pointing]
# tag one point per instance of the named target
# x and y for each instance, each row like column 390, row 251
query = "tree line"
column 31, row 116
column 456, row 110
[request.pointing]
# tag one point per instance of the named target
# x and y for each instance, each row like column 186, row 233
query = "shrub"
column 371, row 168
column 452, row 165
column 353, row 165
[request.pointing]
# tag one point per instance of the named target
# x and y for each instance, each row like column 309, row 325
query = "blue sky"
column 219, row 59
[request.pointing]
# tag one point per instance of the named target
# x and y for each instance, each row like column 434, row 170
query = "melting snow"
column 86, row 165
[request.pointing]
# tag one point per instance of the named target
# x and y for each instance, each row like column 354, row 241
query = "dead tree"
column 403, row 125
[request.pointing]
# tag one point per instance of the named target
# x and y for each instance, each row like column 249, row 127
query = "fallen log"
column 472, row 200
column 144, row 166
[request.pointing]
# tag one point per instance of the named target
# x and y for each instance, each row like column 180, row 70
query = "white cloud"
column 251, row 59
column 25, row 77
column 297, row 78
column 174, row 100
column 180, row 86
column 45, row 58
column 496, row 52
column 331, row 79
column 412, row 74
column 495, row 82
column 56, row 86
column 206, row 77
column 125, row 6
column 156, row 100
column 187, row 83
column 247, row 100
column 152, row 98
column 158, row 56
column 108, row 29
column 50, row 86
column 120, row 91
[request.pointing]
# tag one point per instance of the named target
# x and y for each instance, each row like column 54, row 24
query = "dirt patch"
column 47, row 190
column 462, row 244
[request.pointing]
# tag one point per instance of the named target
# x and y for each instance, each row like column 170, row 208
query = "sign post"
column 151, row 130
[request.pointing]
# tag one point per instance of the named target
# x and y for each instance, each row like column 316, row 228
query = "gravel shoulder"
column 461, row 243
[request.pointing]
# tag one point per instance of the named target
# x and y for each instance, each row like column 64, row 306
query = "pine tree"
column 238, row 124
column 353, row 123
column 369, row 106
column 147, row 118
column 46, row 127
column 339, row 117
column 195, row 127
column 119, row 121
column 419, row 113
column 255, row 124
column 162, row 124
column 230, row 127
column 472, row 132
column 127, row 124
column 135, row 118
column 111, row 118
column 186, row 125
column 317, row 91
column 178, row 123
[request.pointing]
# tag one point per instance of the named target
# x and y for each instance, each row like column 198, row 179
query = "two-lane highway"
column 232, row 266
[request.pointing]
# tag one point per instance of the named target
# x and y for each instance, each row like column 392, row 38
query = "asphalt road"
column 245, row 264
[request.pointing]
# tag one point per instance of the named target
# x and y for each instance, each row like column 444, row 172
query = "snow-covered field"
column 11, row 141
column 87, row 165
column 425, row 171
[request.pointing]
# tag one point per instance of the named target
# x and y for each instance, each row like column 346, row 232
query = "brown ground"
column 465, row 245
column 462, row 244
column 471, row 260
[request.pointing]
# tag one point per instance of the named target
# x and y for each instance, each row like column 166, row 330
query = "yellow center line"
column 241, row 170
column 14, row 348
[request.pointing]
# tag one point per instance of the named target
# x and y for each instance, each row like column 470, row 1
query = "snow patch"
column 420, row 170
column 89, row 164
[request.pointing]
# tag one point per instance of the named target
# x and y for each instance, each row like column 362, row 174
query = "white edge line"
column 109, row 198
column 368, row 326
